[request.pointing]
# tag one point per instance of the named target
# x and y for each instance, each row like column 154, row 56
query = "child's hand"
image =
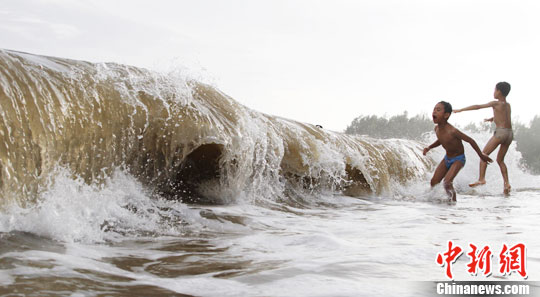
column 485, row 158
column 488, row 120
column 457, row 110
column 426, row 149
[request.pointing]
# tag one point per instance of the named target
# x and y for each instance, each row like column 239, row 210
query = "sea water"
column 115, row 239
column 102, row 166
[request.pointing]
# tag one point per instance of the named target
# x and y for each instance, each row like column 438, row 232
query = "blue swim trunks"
column 449, row 161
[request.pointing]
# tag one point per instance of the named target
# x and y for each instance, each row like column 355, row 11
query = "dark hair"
column 447, row 107
column 504, row 87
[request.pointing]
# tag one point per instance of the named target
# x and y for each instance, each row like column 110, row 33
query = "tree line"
column 399, row 126
column 402, row 126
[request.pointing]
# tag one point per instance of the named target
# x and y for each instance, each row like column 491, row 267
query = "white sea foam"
column 70, row 210
column 116, row 234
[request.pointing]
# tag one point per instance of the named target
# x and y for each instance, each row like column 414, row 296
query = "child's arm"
column 475, row 107
column 433, row 145
column 475, row 146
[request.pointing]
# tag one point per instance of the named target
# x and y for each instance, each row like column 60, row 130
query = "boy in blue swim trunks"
column 452, row 141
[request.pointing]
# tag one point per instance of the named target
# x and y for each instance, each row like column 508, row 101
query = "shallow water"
column 340, row 246
column 88, row 153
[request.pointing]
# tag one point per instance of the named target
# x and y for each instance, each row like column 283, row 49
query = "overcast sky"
column 321, row 62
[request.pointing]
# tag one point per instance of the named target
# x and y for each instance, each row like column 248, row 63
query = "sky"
column 320, row 62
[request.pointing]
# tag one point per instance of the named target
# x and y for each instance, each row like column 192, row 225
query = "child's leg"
column 488, row 149
column 504, row 171
column 449, row 179
column 439, row 174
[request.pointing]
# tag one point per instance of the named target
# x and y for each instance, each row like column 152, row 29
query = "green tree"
column 528, row 143
column 399, row 126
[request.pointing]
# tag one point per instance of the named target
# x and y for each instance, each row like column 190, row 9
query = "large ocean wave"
column 182, row 139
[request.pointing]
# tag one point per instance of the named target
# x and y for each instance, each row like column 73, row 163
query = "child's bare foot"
column 478, row 183
column 507, row 189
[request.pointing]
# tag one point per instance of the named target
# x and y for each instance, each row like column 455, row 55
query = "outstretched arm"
column 475, row 107
column 475, row 146
column 433, row 145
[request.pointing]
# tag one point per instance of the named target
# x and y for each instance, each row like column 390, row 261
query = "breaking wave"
column 179, row 138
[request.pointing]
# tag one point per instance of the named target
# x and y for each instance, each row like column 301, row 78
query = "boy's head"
column 503, row 88
column 441, row 112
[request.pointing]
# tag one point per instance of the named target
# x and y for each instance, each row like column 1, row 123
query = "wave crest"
column 181, row 138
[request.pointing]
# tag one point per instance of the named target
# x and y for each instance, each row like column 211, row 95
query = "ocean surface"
column 117, row 181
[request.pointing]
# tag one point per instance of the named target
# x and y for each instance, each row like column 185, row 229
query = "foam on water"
column 302, row 211
column 70, row 210
column 181, row 138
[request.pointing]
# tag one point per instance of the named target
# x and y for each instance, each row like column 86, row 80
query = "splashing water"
column 121, row 181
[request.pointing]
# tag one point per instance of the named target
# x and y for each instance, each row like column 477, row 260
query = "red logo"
column 479, row 259
column 511, row 259
column 449, row 257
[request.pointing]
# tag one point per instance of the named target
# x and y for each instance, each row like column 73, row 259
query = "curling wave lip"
column 181, row 138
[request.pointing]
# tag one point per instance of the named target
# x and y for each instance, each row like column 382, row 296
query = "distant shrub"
column 399, row 126
column 528, row 143
column 480, row 127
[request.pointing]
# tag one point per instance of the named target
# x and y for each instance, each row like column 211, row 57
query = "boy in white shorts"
column 503, row 132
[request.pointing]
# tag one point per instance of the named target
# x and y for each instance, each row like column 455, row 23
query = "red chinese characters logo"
column 449, row 257
column 479, row 259
column 511, row 259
